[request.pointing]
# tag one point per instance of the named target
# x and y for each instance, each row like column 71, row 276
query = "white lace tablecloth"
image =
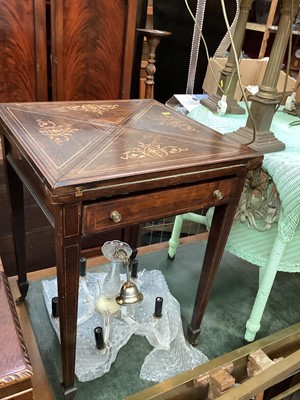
column 282, row 166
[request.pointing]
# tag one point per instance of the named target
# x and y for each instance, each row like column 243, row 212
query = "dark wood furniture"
column 23, row 46
column 15, row 368
column 58, row 50
column 67, row 50
column 95, row 166
column 92, row 49
column 23, row 77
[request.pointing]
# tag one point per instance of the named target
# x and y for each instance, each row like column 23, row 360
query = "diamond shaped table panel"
column 83, row 161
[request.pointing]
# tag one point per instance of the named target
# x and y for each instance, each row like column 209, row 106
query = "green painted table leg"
column 174, row 240
column 265, row 286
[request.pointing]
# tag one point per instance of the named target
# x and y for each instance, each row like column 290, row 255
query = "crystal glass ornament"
column 112, row 250
column 115, row 251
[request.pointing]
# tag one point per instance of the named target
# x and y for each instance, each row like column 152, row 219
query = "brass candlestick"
column 265, row 101
column 229, row 78
column 153, row 38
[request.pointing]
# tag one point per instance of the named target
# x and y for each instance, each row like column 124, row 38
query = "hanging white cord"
column 237, row 63
column 204, row 42
column 196, row 40
column 225, row 42
column 221, row 45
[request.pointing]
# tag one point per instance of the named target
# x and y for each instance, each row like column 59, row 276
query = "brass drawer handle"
column 115, row 216
column 218, row 195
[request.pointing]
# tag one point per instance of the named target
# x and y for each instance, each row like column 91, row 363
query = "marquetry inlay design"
column 144, row 150
column 167, row 119
column 57, row 133
column 94, row 108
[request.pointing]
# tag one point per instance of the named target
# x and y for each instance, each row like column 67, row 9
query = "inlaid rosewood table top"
column 97, row 166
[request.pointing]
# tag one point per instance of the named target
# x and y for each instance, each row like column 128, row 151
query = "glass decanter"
column 115, row 251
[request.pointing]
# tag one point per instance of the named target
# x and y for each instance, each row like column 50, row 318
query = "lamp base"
column 211, row 102
column 295, row 111
column 265, row 141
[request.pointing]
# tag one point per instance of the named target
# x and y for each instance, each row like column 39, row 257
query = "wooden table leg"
column 131, row 235
column 67, row 247
column 219, row 231
column 16, row 204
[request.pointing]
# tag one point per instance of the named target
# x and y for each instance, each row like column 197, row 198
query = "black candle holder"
column 134, row 268
column 158, row 307
column 98, row 331
column 55, row 307
column 82, row 264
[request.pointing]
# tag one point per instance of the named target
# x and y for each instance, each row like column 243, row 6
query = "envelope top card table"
column 101, row 165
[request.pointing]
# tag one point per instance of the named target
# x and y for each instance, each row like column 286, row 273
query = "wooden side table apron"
column 85, row 162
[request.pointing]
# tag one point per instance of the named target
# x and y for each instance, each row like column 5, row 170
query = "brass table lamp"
column 229, row 77
column 264, row 103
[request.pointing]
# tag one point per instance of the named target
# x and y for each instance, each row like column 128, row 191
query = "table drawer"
column 137, row 209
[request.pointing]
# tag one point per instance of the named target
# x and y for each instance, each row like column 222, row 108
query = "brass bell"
column 129, row 294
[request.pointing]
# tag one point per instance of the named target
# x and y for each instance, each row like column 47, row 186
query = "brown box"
column 252, row 73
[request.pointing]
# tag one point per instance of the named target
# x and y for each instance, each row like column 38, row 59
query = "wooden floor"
column 41, row 387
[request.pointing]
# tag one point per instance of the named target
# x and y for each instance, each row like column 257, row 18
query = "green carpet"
column 222, row 328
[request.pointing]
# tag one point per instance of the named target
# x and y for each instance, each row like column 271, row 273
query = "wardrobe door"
column 23, row 64
column 23, row 77
column 92, row 48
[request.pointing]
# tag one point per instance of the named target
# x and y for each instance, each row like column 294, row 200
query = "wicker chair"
column 274, row 249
